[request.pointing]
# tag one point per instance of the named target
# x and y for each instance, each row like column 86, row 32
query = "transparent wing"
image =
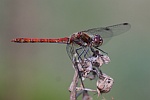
column 70, row 51
column 109, row 31
column 105, row 32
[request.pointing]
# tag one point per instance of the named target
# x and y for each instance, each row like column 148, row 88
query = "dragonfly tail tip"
column 13, row 40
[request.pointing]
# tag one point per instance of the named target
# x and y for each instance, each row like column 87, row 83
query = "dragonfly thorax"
column 97, row 40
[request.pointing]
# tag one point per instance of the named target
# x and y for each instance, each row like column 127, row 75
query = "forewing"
column 109, row 31
column 117, row 29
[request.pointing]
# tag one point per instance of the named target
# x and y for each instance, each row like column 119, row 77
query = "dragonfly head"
column 97, row 40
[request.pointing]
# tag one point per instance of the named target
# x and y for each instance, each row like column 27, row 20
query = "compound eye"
column 97, row 41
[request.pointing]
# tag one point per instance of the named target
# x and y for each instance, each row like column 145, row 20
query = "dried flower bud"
column 104, row 84
column 99, row 60
column 106, row 59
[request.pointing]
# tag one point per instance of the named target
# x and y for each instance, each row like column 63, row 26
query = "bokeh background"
column 44, row 71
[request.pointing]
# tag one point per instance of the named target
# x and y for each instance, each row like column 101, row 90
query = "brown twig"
column 74, row 84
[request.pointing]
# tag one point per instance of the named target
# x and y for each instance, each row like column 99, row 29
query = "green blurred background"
column 44, row 71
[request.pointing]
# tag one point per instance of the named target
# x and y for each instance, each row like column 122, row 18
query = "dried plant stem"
column 89, row 68
column 73, row 87
column 74, row 84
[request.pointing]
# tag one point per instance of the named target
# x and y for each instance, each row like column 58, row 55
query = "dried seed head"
column 104, row 84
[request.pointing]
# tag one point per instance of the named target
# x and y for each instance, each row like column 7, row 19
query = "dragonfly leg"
column 86, row 52
column 71, row 52
column 80, row 58
column 80, row 54
column 101, row 50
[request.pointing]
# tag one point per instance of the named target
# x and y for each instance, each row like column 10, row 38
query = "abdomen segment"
column 64, row 40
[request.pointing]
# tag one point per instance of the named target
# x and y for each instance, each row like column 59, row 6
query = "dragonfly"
column 81, row 43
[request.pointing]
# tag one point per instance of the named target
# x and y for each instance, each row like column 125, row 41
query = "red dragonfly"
column 82, row 42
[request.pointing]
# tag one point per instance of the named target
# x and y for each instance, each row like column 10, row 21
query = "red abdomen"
column 64, row 40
